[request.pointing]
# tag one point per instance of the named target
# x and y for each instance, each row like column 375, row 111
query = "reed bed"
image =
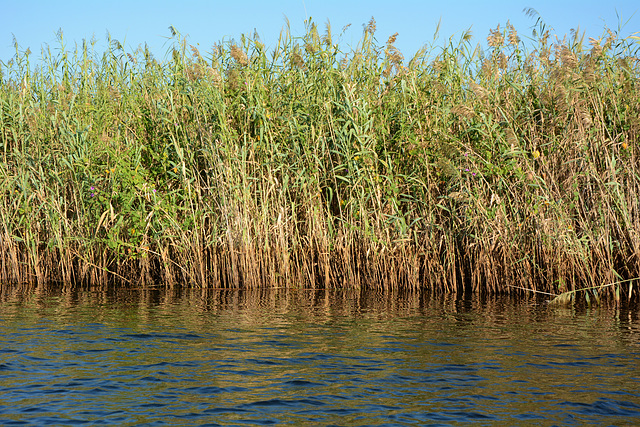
column 308, row 165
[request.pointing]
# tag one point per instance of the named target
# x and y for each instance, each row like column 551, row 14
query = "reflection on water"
column 193, row 357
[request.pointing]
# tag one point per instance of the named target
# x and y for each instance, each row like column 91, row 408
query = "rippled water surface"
column 303, row 357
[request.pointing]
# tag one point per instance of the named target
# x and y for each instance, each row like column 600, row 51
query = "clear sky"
column 132, row 22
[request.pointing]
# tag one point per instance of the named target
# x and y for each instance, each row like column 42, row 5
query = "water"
column 193, row 357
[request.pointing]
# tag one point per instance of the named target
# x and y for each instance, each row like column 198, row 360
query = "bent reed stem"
column 461, row 169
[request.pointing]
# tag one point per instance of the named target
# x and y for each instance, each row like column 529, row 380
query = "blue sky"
column 35, row 22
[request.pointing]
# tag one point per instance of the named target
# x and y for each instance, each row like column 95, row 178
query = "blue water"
column 156, row 357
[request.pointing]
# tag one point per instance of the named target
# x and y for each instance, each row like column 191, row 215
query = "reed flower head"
column 495, row 38
column 514, row 40
column 239, row 55
column 371, row 26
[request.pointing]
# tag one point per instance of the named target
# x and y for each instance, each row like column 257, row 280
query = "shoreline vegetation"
column 501, row 170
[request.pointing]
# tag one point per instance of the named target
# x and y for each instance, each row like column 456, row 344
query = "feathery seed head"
column 392, row 39
column 463, row 111
column 569, row 59
column 239, row 56
column 596, row 49
column 502, row 61
column 495, row 38
column 479, row 91
column 195, row 52
column 371, row 26
column 296, row 58
column 327, row 39
column 514, row 40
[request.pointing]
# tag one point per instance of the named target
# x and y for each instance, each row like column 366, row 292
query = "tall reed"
column 308, row 165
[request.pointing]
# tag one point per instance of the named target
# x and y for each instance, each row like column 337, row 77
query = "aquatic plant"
column 308, row 165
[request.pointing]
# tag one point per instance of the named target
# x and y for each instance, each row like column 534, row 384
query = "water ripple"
column 436, row 367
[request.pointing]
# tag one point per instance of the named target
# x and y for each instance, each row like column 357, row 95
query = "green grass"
column 311, row 165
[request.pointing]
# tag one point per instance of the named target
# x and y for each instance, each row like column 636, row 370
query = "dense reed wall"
column 306, row 165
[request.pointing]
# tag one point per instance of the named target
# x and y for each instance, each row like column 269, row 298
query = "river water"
column 302, row 357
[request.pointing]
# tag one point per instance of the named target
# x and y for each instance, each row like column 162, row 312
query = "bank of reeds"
column 309, row 165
